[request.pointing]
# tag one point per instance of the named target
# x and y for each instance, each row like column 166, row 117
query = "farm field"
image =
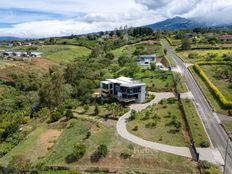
column 162, row 123
column 212, row 100
column 194, row 56
column 213, row 72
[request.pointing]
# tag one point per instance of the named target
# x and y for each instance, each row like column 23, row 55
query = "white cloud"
column 64, row 17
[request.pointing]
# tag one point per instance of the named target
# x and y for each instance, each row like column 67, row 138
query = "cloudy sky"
column 45, row 18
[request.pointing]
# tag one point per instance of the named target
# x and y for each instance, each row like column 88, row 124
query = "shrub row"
column 169, row 41
column 226, row 103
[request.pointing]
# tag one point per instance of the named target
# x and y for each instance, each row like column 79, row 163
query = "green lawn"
column 163, row 131
column 157, row 81
column 207, row 92
column 63, row 53
column 221, row 84
column 195, row 124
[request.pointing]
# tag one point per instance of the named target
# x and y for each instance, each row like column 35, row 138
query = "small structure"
column 36, row 54
column 124, row 89
column 225, row 38
column 145, row 60
column 20, row 54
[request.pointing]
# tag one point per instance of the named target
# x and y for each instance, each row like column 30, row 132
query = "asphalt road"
column 210, row 120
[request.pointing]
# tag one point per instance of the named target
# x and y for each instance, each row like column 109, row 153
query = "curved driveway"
column 122, row 130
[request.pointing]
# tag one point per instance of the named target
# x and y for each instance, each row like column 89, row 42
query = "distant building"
column 20, row 54
column 145, row 60
column 124, row 89
column 225, row 38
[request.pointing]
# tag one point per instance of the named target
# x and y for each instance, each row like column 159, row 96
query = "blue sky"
column 46, row 18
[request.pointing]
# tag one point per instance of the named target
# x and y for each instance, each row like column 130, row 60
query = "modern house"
column 225, row 38
column 124, row 89
column 145, row 60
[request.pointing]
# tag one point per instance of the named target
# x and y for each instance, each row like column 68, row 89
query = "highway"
column 216, row 133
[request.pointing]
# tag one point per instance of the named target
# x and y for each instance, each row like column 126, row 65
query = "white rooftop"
column 124, row 81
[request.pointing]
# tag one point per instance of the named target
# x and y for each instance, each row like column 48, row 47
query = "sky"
column 48, row 18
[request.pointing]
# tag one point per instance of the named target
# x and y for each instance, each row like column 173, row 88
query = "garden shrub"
column 205, row 143
column 99, row 153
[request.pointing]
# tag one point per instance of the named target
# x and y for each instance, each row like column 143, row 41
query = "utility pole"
column 226, row 153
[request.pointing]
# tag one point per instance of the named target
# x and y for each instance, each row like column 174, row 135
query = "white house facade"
column 124, row 89
column 145, row 60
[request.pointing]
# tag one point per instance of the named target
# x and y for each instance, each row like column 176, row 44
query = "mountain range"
column 175, row 23
column 178, row 23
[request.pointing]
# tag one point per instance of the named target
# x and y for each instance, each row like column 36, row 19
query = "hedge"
column 226, row 103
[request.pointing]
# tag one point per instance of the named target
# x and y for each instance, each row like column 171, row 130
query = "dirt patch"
column 45, row 142
column 42, row 63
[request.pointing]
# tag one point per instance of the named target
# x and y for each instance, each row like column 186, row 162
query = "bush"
column 151, row 125
column 204, row 165
column 56, row 115
column 86, row 107
column 69, row 114
column 132, row 115
column 171, row 100
column 205, row 143
column 126, row 154
column 79, row 150
column 135, row 128
column 99, row 153
column 96, row 110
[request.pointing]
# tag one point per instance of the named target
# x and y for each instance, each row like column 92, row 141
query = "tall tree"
column 53, row 93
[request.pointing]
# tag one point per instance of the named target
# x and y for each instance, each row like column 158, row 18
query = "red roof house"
column 225, row 37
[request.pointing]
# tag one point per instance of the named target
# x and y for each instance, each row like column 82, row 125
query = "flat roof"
column 125, row 81
column 152, row 55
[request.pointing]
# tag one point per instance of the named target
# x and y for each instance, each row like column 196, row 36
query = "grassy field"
column 181, row 87
column 202, row 55
column 63, row 53
column 60, row 53
column 163, row 131
column 27, row 147
column 149, row 47
column 212, row 100
column 79, row 41
column 221, row 84
column 141, row 159
column 171, row 61
column 196, row 127
column 157, row 81
column 156, row 162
